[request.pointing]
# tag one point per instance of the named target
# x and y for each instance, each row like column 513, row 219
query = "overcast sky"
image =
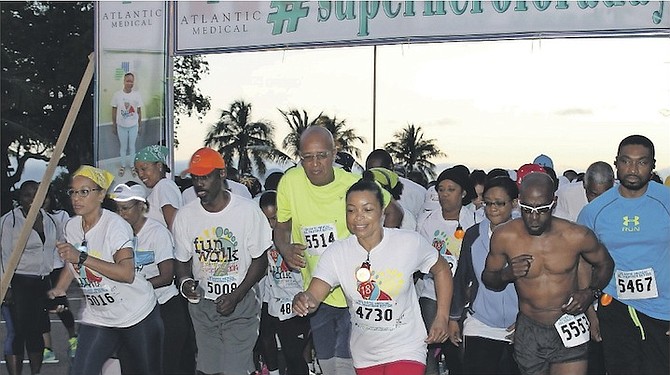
column 487, row 104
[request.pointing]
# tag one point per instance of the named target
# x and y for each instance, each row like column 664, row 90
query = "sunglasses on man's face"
column 539, row 209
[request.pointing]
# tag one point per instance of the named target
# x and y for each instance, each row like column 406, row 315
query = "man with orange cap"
column 221, row 242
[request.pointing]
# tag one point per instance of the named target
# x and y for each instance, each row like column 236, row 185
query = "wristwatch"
column 82, row 258
column 597, row 292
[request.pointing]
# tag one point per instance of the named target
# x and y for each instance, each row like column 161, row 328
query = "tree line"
column 236, row 135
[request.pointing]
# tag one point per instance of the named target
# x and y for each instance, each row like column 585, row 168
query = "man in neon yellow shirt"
column 311, row 212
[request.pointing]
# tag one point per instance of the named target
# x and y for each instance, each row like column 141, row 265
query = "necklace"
column 363, row 273
column 85, row 228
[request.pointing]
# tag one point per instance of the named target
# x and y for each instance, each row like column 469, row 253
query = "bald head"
column 318, row 134
column 536, row 200
column 537, row 181
column 317, row 153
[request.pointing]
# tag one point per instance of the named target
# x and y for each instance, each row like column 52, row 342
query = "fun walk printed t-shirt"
column 109, row 303
column 221, row 244
column 441, row 234
column 155, row 245
column 280, row 285
column 386, row 323
column 318, row 216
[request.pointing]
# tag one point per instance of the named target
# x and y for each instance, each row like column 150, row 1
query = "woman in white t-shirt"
column 121, row 309
column 165, row 197
column 126, row 120
column 374, row 267
column 154, row 259
column 444, row 228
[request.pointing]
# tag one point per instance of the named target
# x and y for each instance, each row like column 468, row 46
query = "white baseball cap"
column 125, row 193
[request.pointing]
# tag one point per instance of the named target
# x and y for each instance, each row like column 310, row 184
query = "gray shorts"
column 537, row 345
column 226, row 343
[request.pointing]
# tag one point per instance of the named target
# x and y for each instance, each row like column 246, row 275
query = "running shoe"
column 48, row 356
column 72, row 346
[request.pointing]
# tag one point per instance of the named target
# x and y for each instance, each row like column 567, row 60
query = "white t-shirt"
column 386, row 323
column 221, row 244
column 235, row 187
column 280, row 285
column 571, row 198
column 109, row 303
column 165, row 192
column 155, row 245
column 127, row 104
column 408, row 219
column 431, row 201
column 412, row 196
column 440, row 233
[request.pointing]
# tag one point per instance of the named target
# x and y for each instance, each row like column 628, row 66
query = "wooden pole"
column 46, row 178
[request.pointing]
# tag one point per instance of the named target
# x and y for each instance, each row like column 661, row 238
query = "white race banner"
column 225, row 26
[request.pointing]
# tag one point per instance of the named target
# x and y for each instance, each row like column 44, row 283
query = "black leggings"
column 452, row 354
column 293, row 334
column 28, row 312
column 179, row 341
column 66, row 315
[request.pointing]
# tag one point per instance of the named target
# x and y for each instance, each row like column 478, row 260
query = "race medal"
column 363, row 273
column 459, row 233
column 573, row 329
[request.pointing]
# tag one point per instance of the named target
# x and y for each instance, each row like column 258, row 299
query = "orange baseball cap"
column 204, row 161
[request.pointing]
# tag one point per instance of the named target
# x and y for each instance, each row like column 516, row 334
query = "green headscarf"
column 153, row 154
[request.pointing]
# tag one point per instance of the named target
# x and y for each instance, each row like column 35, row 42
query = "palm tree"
column 299, row 121
column 235, row 135
column 412, row 152
column 344, row 138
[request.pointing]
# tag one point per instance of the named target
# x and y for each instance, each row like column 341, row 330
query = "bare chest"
column 551, row 256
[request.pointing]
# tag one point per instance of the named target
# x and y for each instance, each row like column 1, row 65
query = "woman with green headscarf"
column 121, row 309
column 165, row 197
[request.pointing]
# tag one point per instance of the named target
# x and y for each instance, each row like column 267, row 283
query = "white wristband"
column 181, row 284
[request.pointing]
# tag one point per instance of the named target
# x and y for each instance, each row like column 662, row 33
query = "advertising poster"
column 131, row 77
